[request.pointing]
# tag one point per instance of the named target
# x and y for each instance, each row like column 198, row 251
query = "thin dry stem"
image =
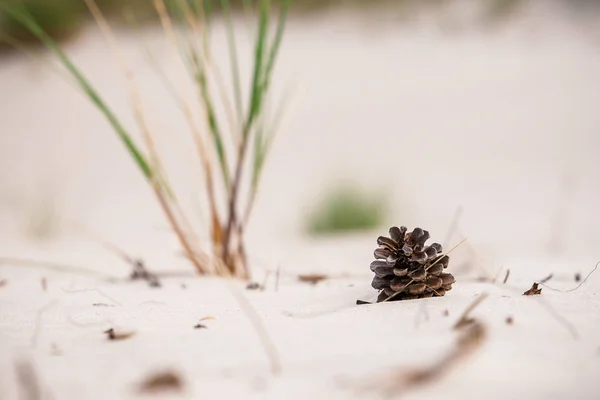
column 232, row 220
column 206, row 56
column 470, row 339
column 101, row 293
column 231, row 259
column 453, row 225
column 37, row 328
column 201, row 266
column 464, row 318
column 576, row 287
column 105, row 243
column 263, row 335
column 201, row 150
column 24, row 262
column 254, row 191
column 157, row 184
column 506, row 276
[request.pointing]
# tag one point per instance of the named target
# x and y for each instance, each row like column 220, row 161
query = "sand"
column 500, row 122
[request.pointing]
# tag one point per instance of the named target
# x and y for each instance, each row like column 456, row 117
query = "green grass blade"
column 263, row 140
column 21, row 14
column 233, row 60
column 276, row 44
column 199, row 75
column 256, row 95
column 215, row 131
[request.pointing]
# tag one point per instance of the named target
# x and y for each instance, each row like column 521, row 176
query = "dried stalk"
column 156, row 163
column 263, row 335
column 472, row 334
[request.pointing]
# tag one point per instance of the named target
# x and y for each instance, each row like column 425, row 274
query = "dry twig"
column 313, row 279
column 533, row 290
column 162, row 381
column 506, row 276
column 472, row 333
column 118, row 335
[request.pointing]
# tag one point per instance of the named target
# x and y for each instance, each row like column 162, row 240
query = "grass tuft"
column 346, row 209
column 254, row 130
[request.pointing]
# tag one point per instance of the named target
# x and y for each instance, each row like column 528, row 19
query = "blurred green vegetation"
column 59, row 17
column 62, row 18
column 347, row 208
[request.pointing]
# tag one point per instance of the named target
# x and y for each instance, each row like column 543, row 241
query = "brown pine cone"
column 408, row 269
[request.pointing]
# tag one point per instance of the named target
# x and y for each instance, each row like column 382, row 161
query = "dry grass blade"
column 472, row 334
column 262, row 333
column 20, row 13
column 265, row 54
column 201, row 148
column 201, row 65
column 72, row 269
column 560, row 319
column 453, row 226
column 157, row 180
column 464, row 319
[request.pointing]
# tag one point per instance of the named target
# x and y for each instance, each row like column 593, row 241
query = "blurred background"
column 402, row 112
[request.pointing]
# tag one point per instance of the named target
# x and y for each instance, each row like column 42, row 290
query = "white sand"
column 492, row 121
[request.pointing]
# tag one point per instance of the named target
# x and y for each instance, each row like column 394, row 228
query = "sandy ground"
column 501, row 122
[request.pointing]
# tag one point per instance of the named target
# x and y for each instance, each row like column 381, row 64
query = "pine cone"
column 408, row 269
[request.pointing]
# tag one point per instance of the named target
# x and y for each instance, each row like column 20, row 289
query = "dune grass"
column 226, row 166
column 344, row 209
